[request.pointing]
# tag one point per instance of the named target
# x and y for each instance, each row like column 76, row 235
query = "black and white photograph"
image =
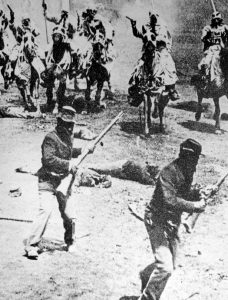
column 113, row 149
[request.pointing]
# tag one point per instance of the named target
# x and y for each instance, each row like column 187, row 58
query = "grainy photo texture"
column 113, row 149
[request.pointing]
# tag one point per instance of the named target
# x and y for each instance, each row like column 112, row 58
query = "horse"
column 24, row 72
column 145, row 88
column 96, row 71
column 58, row 63
column 215, row 86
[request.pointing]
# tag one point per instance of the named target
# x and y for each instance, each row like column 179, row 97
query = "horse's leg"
column 149, row 101
column 216, row 116
column 60, row 94
column 155, row 112
column 87, row 95
column 199, row 107
column 50, row 101
column 22, row 88
column 162, row 102
column 146, row 126
column 98, row 93
column 49, row 81
column 29, row 98
column 109, row 82
column 37, row 95
column 3, row 74
column 34, row 84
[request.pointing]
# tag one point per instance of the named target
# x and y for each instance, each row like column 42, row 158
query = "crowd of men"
column 72, row 34
column 78, row 31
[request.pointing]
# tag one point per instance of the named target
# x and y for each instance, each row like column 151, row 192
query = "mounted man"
column 58, row 62
column 164, row 66
column 94, row 23
column 19, row 31
column 71, row 25
column 214, row 37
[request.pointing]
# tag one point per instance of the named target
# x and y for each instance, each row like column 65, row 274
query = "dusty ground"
column 113, row 245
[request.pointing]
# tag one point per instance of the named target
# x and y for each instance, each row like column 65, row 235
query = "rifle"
column 190, row 221
column 66, row 184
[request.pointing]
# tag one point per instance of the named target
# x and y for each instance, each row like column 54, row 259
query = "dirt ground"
column 112, row 244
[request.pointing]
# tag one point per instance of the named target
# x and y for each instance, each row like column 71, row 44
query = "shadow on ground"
column 133, row 127
column 129, row 298
column 198, row 126
column 190, row 106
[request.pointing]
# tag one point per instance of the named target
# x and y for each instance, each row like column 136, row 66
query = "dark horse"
column 96, row 71
column 146, row 88
column 215, row 87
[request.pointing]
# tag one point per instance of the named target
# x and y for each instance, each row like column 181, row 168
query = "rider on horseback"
column 93, row 23
column 19, row 31
column 164, row 66
column 58, row 63
column 71, row 25
column 214, row 37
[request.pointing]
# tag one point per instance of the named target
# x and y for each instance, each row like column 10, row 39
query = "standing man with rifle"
column 172, row 197
column 57, row 175
column 57, row 151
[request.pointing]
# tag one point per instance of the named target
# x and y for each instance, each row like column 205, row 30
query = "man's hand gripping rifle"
column 206, row 194
column 66, row 184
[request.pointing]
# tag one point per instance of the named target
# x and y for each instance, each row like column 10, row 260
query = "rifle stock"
column 66, row 183
column 190, row 221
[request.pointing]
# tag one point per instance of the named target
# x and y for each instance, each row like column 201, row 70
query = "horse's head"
column 29, row 46
column 98, row 44
column 149, row 41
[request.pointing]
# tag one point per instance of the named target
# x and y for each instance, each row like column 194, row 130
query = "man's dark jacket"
column 57, row 151
column 172, row 196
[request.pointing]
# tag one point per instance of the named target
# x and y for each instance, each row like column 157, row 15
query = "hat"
column 216, row 15
column 67, row 114
column 59, row 30
column 190, row 147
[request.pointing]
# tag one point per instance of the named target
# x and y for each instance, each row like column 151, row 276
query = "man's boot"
column 72, row 247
